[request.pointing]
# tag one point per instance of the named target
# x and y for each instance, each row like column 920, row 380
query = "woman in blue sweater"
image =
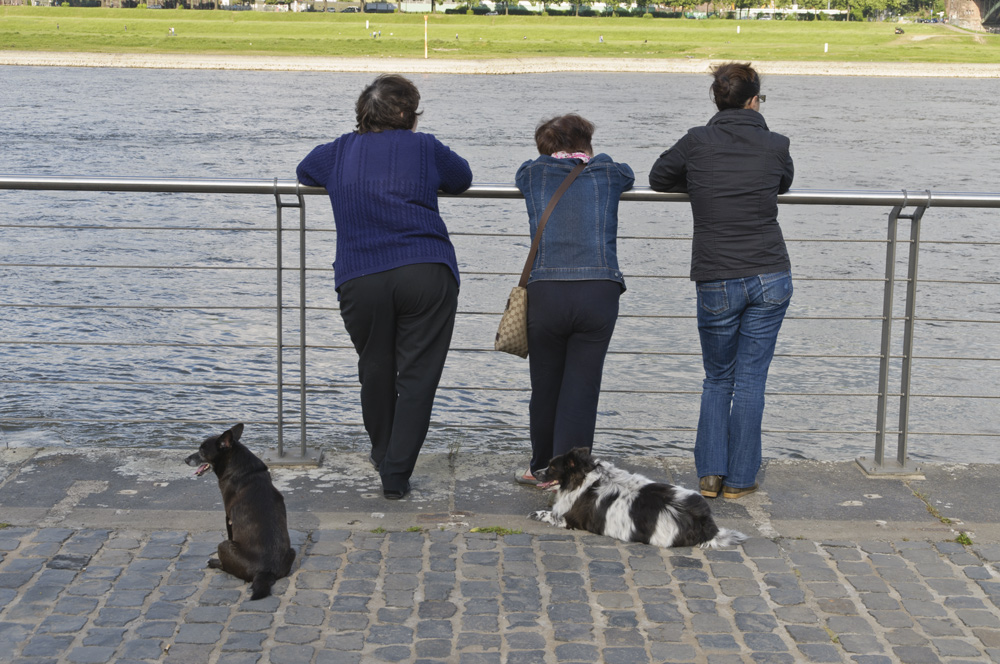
column 395, row 271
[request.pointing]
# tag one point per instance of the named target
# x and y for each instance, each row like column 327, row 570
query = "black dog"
column 258, row 549
column 594, row 495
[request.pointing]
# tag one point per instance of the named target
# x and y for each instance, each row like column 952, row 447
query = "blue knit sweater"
column 383, row 187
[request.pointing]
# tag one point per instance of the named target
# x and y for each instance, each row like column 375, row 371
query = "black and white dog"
column 596, row 496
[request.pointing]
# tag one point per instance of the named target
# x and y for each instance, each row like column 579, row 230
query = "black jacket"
column 733, row 169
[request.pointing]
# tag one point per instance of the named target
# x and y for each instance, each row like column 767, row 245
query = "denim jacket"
column 580, row 240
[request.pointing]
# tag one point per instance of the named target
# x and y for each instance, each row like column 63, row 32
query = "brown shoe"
column 730, row 492
column 710, row 485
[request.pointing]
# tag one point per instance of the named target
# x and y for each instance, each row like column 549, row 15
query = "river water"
column 161, row 351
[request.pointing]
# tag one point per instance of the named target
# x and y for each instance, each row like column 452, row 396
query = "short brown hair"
column 390, row 102
column 735, row 84
column 565, row 133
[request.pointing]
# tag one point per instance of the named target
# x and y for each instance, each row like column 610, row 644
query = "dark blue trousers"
column 570, row 324
column 400, row 322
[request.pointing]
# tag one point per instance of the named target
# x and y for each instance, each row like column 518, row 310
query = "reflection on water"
column 212, row 330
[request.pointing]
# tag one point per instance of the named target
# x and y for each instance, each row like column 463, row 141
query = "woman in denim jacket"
column 573, row 288
column 733, row 169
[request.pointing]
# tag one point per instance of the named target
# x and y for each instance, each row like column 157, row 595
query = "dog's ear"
column 227, row 439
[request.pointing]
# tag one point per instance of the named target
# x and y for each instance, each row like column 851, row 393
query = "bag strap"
column 545, row 217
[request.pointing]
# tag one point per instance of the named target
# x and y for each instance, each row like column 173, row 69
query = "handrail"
column 903, row 197
column 915, row 201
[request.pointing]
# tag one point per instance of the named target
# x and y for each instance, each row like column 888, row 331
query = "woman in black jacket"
column 733, row 169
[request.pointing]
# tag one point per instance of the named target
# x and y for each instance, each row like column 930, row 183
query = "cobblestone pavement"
column 98, row 596
column 103, row 559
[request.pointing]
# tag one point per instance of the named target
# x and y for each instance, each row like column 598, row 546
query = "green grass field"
column 402, row 35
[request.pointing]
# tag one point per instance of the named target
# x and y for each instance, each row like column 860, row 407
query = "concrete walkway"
column 103, row 559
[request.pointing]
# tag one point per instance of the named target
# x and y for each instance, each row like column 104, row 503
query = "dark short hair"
column 565, row 133
column 390, row 102
column 735, row 84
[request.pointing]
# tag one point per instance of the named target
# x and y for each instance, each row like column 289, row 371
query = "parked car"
column 349, row 10
column 379, row 8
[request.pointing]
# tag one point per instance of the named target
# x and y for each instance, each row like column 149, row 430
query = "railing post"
column 279, row 336
column 901, row 465
column 886, row 348
column 908, row 328
column 302, row 324
column 306, row 457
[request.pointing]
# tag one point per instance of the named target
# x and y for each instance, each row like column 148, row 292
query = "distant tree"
column 872, row 8
column 612, row 6
column 682, row 5
column 740, row 5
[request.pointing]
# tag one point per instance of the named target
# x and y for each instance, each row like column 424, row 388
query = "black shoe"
column 396, row 494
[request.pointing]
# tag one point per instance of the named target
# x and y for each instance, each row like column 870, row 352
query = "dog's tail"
column 260, row 587
column 725, row 537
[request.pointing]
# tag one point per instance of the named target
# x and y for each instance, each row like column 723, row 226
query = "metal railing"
column 905, row 205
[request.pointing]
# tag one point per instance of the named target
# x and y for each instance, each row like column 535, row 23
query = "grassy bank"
column 402, row 35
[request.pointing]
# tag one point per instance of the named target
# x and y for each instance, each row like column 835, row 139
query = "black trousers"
column 570, row 324
column 400, row 322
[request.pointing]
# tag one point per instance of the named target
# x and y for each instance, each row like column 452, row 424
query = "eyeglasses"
column 762, row 98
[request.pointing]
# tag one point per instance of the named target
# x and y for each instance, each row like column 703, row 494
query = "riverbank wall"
column 486, row 67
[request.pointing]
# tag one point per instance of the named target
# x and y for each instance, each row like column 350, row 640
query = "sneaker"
column 733, row 492
column 710, row 485
column 529, row 478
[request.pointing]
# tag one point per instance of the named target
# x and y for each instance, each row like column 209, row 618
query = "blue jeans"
column 738, row 322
